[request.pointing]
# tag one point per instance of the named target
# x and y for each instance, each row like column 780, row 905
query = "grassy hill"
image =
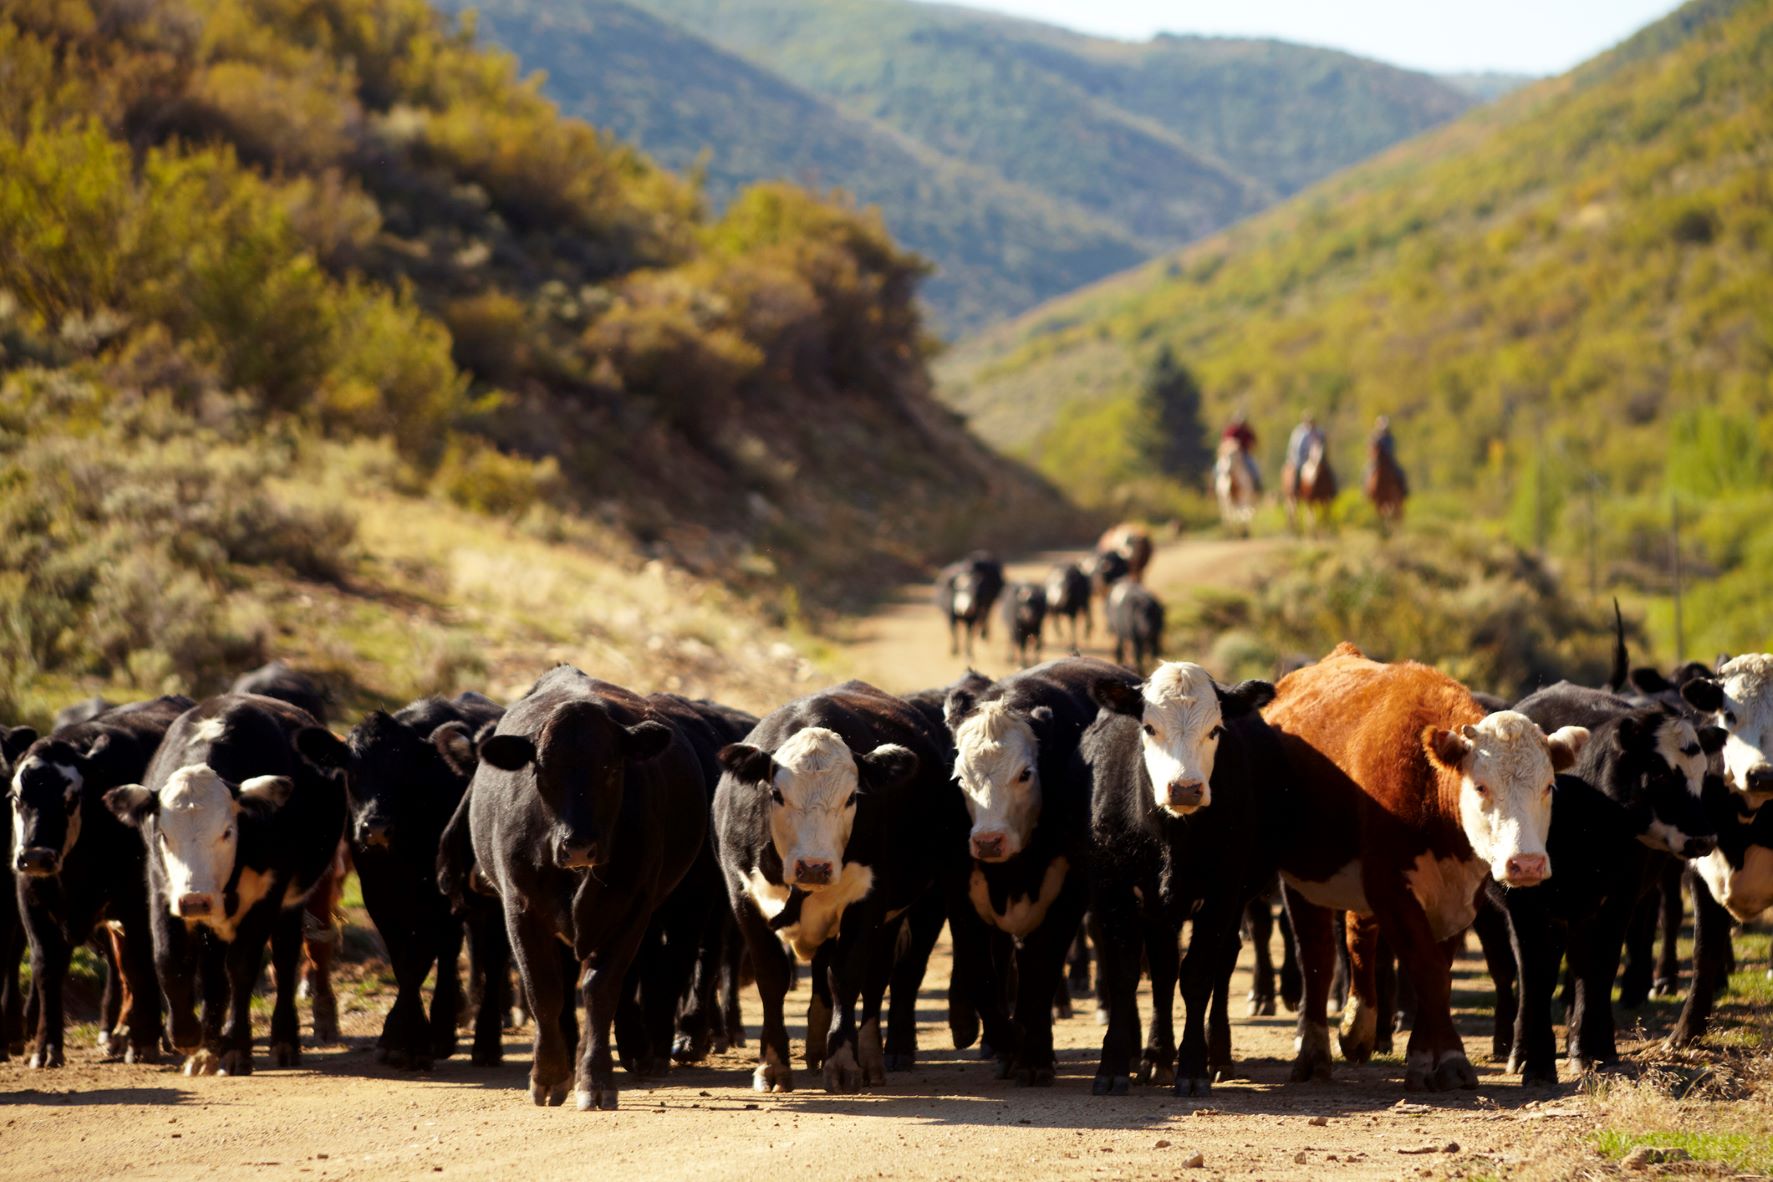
column 1022, row 159
column 292, row 292
column 1566, row 290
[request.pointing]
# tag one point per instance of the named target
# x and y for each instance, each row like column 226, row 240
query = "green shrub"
column 480, row 477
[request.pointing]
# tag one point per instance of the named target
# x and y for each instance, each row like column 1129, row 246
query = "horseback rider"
column 1382, row 448
column 1299, row 444
column 1240, row 435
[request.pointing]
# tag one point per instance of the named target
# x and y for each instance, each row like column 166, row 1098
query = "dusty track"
column 342, row 1116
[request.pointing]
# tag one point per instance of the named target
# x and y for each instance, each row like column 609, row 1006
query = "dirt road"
column 341, row 1116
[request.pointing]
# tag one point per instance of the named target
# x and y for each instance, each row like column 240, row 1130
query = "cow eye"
column 1151, row 730
column 1027, row 775
column 1480, row 789
column 228, row 833
column 851, row 802
column 1730, row 717
column 1215, row 732
column 1690, row 750
column 776, row 796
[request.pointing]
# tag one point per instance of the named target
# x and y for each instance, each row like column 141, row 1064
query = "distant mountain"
column 1487, row 86
column 1023, row 159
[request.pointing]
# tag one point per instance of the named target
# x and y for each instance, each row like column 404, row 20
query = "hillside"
column 1022, row 159
column 1569, row 285
column 251, row 250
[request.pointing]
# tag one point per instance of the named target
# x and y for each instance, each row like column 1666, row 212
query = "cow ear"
column 456, row 746
column 16, row 741
column 1041, row 714
column 1246, row 697
column 887, row 766
column 270, row 792
column 1704, row 695
column 1566, row 745
column 1116, row 696
column 1446, row 749
column 748, row 764
column 1627, row 731
column 132, row 804
column 322, row 748
column 960, row 703
column 1712, row 739
column 647, row 739
column 1649, row 681
column 508, row 753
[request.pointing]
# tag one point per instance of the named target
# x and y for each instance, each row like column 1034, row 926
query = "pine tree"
column 1176, row 445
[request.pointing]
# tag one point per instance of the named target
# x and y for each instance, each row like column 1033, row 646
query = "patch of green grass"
column 1741, row 1151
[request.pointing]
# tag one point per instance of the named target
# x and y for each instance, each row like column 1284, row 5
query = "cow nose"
column 1760, row 779
column 372, row 834
column 576, row 853
column 1527, row 869
column 1698, row 847
column 811, row 873
column 988, row 847
column 37, row 861
column 195, row 906
column 1185, row 795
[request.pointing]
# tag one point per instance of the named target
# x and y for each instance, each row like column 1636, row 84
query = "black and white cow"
column 1136, row 621
column 80, row 868
column 1068, row 597
column 1028, row 800
column 13, row 741
column 965, row 593
column 404, row 779
column 1024, row 618
column 84, row 711
column 831, row 820
column 278, row 680
column 1188, row 802
column 588, row 807
column 1734, row 882
column 1631, row 798
column 242, row 812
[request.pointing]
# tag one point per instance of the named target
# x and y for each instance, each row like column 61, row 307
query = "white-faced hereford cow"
column 1413, row 797
column 587, row 809
column 830, row 822
column 80, row 868
column 242, row 814
column 1018, row 906
column 1189, row 814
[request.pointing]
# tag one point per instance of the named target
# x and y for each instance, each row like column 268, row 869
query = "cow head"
column 1504, row 766
column 192, row 827
column 1182, row 714
column 814, row 782
column 392, row 768
column 1739, row 699
column 581, row 760
column 997, row 764
column 1663, row 761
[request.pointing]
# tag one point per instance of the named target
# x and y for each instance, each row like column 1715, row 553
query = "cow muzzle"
column 991, row 847
column 195, row 905
column 576, row 853
column 39, row 862
column 1758, row 781
column 1525, row 870
column 1185, row 794
column 372, row 834
column 812, row 872
column 1697, row 847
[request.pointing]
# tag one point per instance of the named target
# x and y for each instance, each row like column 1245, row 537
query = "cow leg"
column 179, row 959
column 1077, row 963
column 732, row 968
column 446, row 992
column 321, row 935
column 136, row 950
column 1114, row 931
column 405, row 1042
column 847, row 969
column 537, row 952
column 1339, row 980
column 12, row 994
column 818, row 1006
column 977, row 980
column 1594, row 951
column 1040, row 973
column 243, row 960
column 1390, row 990
column 923, row 926
column 1259, row 918
column 1640, row 949
column 50, row 954
column 881, row 944
column 1711, row 945
column 1361, row 1017
column 1163, row 952
column 114, row 999
column 1536, row 955
column 1496, row 940
column 1668, row 961
column 1315, row 931
column 286, row 968
column 1219, row 1061
column 1435, row 1059
column 606, row 977
column 490, row 948
column 769, row 966
column 1213, row 926
column 670, row 971
column 1292, row 986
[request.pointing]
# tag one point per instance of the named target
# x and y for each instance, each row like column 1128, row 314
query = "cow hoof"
column 142, row 1052
column 1039, row 1075
column 1538, row 1075
column 1260, row 1007
column 444, row 1046
column 1157, row 1070
column 1109, row 1085
column 770, row 1078
column 1224, row 1073
column 963, row 1028
column 1664, row 987
column 595, row 1099
column 1062, row 1006
column 235, row 1062
column 1453, row 1073
column 1194, row 1085
column 1310, row 1067
column 901, row 1060
column 487, row 1056
column 47, row 1057
column 285, row 1054
column 110, row 1047
column 1002, row 1067
column 548, row 1095
column 842, row 1073
column 1356, row 1045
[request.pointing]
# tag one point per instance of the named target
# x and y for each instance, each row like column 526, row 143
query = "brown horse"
column 1385, row 487
column 1312, row 484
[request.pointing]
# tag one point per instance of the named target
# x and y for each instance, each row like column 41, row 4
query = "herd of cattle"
column 639, row 854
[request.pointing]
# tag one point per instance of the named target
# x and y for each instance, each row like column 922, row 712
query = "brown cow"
column 1413, row 795
column 1131, row 542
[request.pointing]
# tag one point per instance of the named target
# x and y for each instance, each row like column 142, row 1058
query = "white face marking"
column 1021, row 914
column 814, row 805
column 1505, row 789
column 1744, row 893
column 1180, row 732
column 997, row 765
column 1747, row 717
column 197, row 828
column 1678, row 745
column 1447, row 891
column 72, row 783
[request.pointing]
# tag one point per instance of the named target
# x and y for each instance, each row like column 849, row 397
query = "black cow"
column 587, row 809
column 84, row 711
column 13, row 741
column 1025, row 883
column 1024, row 616
column 965, row 593
column 80, row 868
column 831, row 820
column 242, row 812
column 1259, row 926
column 1136, row 621
column 280, row 681
column 1735, row 882
column 1632, row 794
column 404, row 779
column 1068, row 597
column 1189, row 804
column 1104, row 569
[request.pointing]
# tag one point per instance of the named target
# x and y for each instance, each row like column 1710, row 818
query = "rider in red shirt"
column 1240, row 433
